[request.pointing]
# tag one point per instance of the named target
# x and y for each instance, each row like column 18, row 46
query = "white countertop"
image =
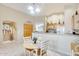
column 59, row 34
column 58, row 42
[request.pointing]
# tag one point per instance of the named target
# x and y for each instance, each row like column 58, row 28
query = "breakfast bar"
column 60, row 43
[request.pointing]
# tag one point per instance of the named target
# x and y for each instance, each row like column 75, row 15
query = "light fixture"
column 32, row 12
column 30, row 8
column 34, row 8
column 76, row 13
column 37, row 10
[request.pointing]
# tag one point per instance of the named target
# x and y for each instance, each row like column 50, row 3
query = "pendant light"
column 76, row 13
column 59, row 21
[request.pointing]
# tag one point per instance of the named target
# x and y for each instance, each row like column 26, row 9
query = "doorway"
column 9, row 30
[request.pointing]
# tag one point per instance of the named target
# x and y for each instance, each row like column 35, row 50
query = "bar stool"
column 29, row 49
column 75, row 49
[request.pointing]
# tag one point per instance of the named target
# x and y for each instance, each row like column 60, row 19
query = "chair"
column 42, row 48
column 38, row 49
column 28, row 46
column 29, row 49
column 75, row 49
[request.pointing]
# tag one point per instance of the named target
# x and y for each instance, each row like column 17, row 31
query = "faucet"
column 34, row 40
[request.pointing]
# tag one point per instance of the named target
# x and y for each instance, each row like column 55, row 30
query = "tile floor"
column 16, row 49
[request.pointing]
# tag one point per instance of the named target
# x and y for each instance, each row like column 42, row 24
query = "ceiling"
column 46, row 8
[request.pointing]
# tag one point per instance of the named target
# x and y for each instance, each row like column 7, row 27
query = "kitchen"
column 59, row 30
column 55, row 28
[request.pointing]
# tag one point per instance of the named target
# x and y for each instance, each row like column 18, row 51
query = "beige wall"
column 13, row 15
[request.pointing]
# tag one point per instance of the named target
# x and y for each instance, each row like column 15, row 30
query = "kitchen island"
column 58, row 42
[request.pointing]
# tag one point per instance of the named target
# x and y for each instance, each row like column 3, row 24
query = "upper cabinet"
column 55, row 22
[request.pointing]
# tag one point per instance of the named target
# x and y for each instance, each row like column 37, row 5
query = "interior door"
column 28, row 28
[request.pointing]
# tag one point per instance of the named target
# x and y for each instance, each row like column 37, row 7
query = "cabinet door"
column 28, row 28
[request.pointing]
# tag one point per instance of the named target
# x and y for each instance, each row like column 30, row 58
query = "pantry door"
column 28, row 29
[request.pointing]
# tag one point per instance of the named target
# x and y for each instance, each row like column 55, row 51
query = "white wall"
column 38, row 20
column 68, row 13
column 13, row 15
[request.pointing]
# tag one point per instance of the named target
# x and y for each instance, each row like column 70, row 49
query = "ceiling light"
column 37, row 10
column 30, row 8
column 34, row 9
column 32, row 12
